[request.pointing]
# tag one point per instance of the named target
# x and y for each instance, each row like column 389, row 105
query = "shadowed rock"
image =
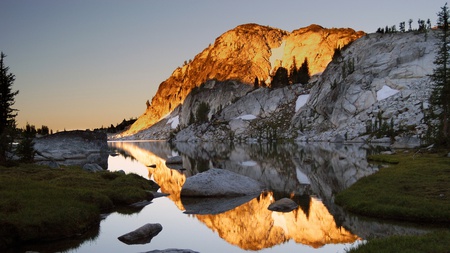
column 172, row 251
column 174, row 160
column 283, row 205
column 214, row 205
column 142, row 235
column 72, row 148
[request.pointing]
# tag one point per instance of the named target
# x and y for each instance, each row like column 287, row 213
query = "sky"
column 84, row 64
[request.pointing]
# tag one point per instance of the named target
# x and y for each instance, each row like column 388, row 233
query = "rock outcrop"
column 219, row 183
column 72, row 148
column 375, row 90
column 244, row 53
column 380, row 77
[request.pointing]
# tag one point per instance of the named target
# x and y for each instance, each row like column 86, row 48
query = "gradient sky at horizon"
column 90, row 63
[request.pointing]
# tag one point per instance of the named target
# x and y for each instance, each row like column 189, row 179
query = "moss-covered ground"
column 39, row 204
column 412, row 187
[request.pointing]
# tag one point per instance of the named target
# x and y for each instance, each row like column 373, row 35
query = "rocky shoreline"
column 87, row 149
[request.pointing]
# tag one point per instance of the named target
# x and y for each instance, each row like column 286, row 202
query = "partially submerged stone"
column 142, row 235
column 174, row 160
column 283, row 205
column 172, row 251
column 220, row 183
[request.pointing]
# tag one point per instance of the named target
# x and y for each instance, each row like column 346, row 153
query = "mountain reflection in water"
column 287, row 171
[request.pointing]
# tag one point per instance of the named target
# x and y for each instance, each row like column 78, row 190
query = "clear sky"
column 83, row 64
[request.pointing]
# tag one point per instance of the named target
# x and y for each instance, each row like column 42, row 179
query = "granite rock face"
column 244, row 53
column 381, row 77
column 379, row 80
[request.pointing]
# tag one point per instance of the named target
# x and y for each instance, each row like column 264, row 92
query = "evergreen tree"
column 7, row 113
column 293, row 73
column 256, row 83
column 402, row 27
column 440, row 96
column 202, row 112
column 25, row 149
column 337, row 51
column 280, row 78
column 303, row 72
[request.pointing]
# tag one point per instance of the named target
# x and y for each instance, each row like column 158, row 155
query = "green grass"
column 38, row 203
column 436, row 242
column 383, row 159
column 415, row 189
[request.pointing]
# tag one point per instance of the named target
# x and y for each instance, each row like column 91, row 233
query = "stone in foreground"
column 283, row 205
column 172, row 251
column 142, row 235
column 220, row 183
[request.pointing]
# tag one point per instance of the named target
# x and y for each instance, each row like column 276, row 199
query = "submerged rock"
column 219, row 183
column 142, row 235
column 283, row 205
column 172, row 251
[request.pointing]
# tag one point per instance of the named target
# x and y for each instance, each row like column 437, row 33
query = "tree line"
column 283, row 77
column 422, row 27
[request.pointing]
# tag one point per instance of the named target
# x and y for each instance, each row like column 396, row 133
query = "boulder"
column 92, row 167
column 283, row 205
column 220, row 183
column 142, row 235
column 73, row 148
column 172, row 251
column 174, row 160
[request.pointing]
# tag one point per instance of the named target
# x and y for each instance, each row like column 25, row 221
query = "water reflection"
column 287, row 170
column 252, row 226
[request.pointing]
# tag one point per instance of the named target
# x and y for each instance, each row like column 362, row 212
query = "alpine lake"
column 308, row 173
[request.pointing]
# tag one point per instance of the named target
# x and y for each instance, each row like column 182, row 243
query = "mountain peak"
column 244, row 53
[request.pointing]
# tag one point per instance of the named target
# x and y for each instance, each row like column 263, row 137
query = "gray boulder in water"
column 142, row 235
column 283, row 205
column 220, row 183
column 172, row 251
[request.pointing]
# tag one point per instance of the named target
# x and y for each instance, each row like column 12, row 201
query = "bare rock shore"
column 72, row 148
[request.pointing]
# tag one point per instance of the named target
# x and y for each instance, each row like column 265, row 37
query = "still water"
column 310, row 174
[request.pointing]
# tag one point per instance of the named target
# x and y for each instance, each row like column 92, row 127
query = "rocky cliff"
column 244, row 53
column 376, row 91
column 380, row 84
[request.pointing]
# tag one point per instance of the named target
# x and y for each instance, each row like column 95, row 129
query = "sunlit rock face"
column 244, row 53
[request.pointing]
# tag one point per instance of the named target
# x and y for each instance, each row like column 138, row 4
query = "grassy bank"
column 437, row 242
column 38, row 203
column 412, row 188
